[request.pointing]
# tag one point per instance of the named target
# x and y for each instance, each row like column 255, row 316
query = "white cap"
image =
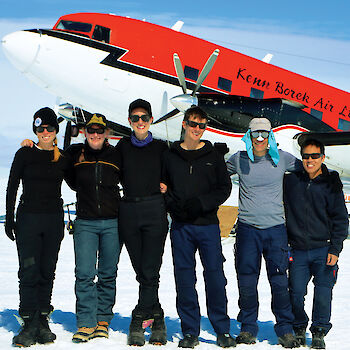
column 260, row 124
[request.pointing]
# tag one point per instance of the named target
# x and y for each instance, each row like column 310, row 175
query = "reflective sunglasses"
column 193, row 124
column 135, row 118
column 41, row 129
column 90, row 130
column 312, row 155
column 263, row 134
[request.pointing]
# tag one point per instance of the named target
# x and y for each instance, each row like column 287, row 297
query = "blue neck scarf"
column 141, row 143
column 273, row 150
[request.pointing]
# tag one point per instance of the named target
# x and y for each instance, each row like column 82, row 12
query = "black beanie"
column 139, row 103
column 45, row 116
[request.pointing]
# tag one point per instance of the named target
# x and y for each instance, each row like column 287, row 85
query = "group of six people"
column 189, row 180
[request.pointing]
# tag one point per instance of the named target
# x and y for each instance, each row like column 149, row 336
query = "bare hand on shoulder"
column 27, row 143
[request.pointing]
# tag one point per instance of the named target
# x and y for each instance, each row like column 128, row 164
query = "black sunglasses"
column 312, row 155
column 135, row 118
column 263, row 134
column 90, row 130
column 41, row 129
column 193, row 124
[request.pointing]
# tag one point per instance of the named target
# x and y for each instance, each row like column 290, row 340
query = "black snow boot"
column 136, row 335
column 45, row 336
column 158, row 336
column 245, row 338
column 288, row 341
column 300, row 334
column 189, row 341
column 225, row 341
column 29, row 332
column 317, row 338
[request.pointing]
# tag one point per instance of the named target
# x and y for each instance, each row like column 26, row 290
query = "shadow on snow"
column 121, row 324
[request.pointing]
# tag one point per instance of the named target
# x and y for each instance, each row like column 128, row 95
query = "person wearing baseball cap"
column 38, row 227
column 143, row 224
column 261, row 230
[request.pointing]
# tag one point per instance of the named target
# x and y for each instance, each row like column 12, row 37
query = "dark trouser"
column 96, row 249
column 38, row 239
column 251, row 244
column 143, row 227
column 307, row 264
column 185, row 241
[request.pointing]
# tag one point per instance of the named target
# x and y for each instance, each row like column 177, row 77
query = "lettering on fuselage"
column 279, row 87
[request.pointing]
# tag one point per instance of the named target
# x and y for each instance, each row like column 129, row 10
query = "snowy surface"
column 63, row 318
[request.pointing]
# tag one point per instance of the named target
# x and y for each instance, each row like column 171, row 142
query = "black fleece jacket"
column 316, row 214
column 195, row 178
column 41, row 181
column 96, row 178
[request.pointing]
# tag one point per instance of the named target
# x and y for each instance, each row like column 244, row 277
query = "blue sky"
column 308, row 37
column 322, row 17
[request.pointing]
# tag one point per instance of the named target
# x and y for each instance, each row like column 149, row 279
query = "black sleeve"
column 338, row 214
column 164, row 148
column 16, row 173
column 221, row 191
column 69, row 172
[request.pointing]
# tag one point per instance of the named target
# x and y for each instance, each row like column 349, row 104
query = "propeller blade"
column 67, row 135
column 180, row 73
column 167, row 116
column 206, row 70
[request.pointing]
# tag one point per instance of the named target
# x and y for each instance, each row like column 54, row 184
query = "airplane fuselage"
column 107, row 61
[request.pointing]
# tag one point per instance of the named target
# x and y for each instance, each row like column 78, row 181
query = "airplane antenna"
column 177, row 26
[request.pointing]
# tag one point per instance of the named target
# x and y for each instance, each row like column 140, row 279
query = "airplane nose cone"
column 21, row 48
column 183, row 102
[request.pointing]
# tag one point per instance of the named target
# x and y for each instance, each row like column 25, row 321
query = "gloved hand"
column 221, row 147
column 10, row 228
column 193, row 208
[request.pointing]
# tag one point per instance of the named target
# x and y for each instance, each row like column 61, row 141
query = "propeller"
column 185, row 101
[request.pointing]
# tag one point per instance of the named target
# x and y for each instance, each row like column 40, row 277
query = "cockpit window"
column 75, row 26
column 101, row 34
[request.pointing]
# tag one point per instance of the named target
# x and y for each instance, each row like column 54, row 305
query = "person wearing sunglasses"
column 143, row 224
column 261, row 230
column 38, row 228
column 197, row 183
column 96, row 238
column 95, row 179
column 317, row 225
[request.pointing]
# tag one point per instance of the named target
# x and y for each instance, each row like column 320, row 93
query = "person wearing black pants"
column 142, row 220
column 39, row 225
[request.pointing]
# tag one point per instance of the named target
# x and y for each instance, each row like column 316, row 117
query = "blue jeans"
column 251, row 244
column 95, row 241
column 307, row 264
column 186, row 239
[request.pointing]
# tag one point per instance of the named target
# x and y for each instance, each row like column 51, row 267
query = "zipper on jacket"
column 98, row 180
column 191, row 168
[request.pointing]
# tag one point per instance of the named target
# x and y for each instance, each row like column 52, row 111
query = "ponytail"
column 56, row 151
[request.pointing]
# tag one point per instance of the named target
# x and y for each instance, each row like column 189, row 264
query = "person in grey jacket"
column 261, row 230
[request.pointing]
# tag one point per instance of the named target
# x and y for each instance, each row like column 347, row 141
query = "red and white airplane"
column 101, row 62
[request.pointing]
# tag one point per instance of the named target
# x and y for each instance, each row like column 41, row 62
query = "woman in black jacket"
column 96, row 238
column 143, row 220
column 39, row 225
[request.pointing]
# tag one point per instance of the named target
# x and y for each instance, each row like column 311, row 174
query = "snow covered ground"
column 63, row 318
